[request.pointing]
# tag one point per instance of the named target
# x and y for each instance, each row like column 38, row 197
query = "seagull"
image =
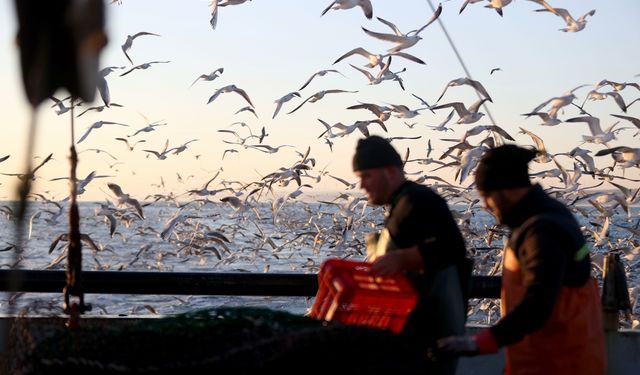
column 129, row 146
column 466, row 81
column 383, row 75
column 60, row 104
column 247, row 109
column 377, row 59
column 404, row 112
column 360, row 125
column 490, row 128
column 97, row 125
column 584, row 156
column 103, row 86
column 466, row 2
column 543, row 156
column 125, row 199
column 230, row 88
column 162, row 154
column 100, row 108
column 268, row 149
column 595, row 95
column 149, row 128
column 181, row 148
column 546, row 119
column 495, row 70
column 143, row 66
column 328, row 129
column 82, row 183
column 319, row 95
column 382, row 112
column 617, row 86
column 403, row 41
column 467, row 116
column 30, row 175
column 443, row 125
column 208, row 77
column 321, row 73
column 129, row 42
column 626, row 156
column 498, row 5
column 366, row 6
column 558, row 102
column 597, row 135
column 572, row 24
column 213, row 9
column 635, row 121
column 424, row 102
column 284, row 99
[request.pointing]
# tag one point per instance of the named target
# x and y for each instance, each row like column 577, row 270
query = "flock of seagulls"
column 335, row 227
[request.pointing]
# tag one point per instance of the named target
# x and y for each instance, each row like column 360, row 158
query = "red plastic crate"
column 350, row 294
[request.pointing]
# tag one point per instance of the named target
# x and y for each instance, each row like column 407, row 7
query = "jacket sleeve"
column 543, row 262
column 428, row 224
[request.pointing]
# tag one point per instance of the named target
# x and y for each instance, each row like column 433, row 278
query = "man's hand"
column 396, row 261
column 482, row 343
column 458, row 346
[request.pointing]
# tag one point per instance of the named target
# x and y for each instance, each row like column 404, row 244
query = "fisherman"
column 551, row 314
column 420, row 237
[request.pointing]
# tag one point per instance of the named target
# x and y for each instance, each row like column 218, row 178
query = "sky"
column 270, row 48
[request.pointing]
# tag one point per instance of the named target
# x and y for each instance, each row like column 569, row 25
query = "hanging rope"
column 464, row 66
column 74, row 255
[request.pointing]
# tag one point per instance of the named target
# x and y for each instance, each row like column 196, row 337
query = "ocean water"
column 294, row 237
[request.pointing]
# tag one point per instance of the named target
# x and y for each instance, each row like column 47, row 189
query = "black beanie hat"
column 375, row 152
column 504, row 167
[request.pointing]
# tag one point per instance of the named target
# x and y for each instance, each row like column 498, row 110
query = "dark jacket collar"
column 534, row 202
column 398, row 192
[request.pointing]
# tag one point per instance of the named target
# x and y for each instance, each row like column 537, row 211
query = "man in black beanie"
column 420, row 236
column 550, row 305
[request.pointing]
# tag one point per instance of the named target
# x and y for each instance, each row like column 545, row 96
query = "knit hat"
column 504, row 167
column 375, row 152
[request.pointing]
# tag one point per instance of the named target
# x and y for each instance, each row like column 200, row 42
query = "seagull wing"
column 243, row 94
column 459, row 107
column 301, row 104
column 386, row 37
column 116, row 189
column 538, row 141
column 356, row 51
column 408, row 57
column 308, row 81
column 635, row 121
column 328, row 8
column 393, row 27
column 215, row 95
column 85, row 135
column 365, row 72
column 594, row 123
column 434, row 17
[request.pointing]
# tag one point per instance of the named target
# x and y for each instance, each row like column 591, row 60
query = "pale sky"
column 271, row 47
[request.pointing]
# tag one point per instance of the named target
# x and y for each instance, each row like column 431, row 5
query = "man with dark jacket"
column 551, row 314
column 420, row 236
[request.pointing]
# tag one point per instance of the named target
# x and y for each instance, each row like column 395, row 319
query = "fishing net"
column 239, row 339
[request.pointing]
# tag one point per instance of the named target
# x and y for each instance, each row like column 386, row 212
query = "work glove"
column 482, row 343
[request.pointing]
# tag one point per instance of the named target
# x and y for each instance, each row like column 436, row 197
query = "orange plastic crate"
column 350, row 294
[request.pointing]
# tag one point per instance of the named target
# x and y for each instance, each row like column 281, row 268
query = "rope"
column 464, row 66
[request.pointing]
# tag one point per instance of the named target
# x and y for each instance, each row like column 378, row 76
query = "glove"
column 482, row 343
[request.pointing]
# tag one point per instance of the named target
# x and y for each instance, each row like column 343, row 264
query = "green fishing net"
column 240, row 339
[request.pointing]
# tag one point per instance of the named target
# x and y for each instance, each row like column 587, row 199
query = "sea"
column 283, row 236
